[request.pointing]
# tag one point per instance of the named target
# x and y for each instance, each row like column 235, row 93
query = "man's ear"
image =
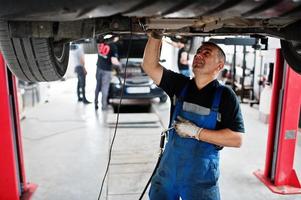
column 218, row 69
column 220, row 66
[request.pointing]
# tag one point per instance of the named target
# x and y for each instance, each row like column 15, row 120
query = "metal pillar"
column 279, row 175
column 244, row 67
column 13, row 185
column 233, row 67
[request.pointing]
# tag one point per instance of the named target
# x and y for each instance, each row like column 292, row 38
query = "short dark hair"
column 221, row 53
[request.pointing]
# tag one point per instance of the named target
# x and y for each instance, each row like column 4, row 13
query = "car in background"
column 35, row 37
column 139, row 89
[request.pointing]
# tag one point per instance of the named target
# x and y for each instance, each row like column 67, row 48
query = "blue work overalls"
column 189, row 168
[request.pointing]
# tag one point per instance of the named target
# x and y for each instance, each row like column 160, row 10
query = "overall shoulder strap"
column 179, row 103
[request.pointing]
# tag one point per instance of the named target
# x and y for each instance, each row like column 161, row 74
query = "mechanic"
column 107, row 59
column 206, row 117
column 77, row 57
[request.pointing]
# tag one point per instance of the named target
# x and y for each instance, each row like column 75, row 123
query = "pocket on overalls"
column 205, row 172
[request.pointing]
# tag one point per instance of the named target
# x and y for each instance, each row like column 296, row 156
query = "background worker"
column 107, row 59
column 206, row 117
column 78, row 58
column 183, row 59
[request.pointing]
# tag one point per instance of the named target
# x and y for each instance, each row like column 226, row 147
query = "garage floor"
column 66, row 147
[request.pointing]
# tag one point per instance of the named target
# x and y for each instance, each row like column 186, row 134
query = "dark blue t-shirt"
column 105, row 52
column 230, row 114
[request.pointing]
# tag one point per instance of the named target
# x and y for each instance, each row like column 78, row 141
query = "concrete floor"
column 66, row 147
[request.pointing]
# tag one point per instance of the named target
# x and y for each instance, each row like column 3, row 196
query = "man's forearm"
column 115, row 61
column 223, row 137
column 151, row 58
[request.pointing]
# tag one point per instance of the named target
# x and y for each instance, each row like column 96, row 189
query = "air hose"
column 162, row 142
column 117, row 120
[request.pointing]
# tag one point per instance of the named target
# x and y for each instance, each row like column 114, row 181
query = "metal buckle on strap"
column 166, row 130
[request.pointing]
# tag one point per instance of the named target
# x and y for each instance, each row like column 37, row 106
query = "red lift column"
column 13, row 185
column 279, row 175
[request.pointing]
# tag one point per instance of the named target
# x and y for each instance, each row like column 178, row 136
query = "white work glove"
column 186, row 129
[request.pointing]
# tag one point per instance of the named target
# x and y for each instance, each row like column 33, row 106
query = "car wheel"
column 292, row 53
column 163, row 99
column 34, row 59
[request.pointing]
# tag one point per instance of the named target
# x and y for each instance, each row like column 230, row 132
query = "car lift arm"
column 279, row 175
column 13, row 185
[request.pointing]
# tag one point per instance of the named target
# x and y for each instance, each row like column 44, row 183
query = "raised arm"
column 151, row 57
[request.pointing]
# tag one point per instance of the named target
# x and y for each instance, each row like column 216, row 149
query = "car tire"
column 291, row 51
column 33, row 59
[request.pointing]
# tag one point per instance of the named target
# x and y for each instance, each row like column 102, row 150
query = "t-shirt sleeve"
column 114, row 51
column 172, row 82
column 231, row 116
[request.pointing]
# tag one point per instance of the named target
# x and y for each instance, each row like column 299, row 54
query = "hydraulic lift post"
column 279, row 175
column 13, row 185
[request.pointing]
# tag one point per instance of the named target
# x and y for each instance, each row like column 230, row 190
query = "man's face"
column 206, row 61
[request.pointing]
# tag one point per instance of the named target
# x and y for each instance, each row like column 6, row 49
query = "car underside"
column 34, row 38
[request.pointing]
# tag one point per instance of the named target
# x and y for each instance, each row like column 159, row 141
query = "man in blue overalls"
column 206, row 117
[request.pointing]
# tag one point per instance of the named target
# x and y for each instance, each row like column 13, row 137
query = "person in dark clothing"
column 77, row 56
column 205, row 117
column 183, row 59
column 107, row 59
column 81, row 83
